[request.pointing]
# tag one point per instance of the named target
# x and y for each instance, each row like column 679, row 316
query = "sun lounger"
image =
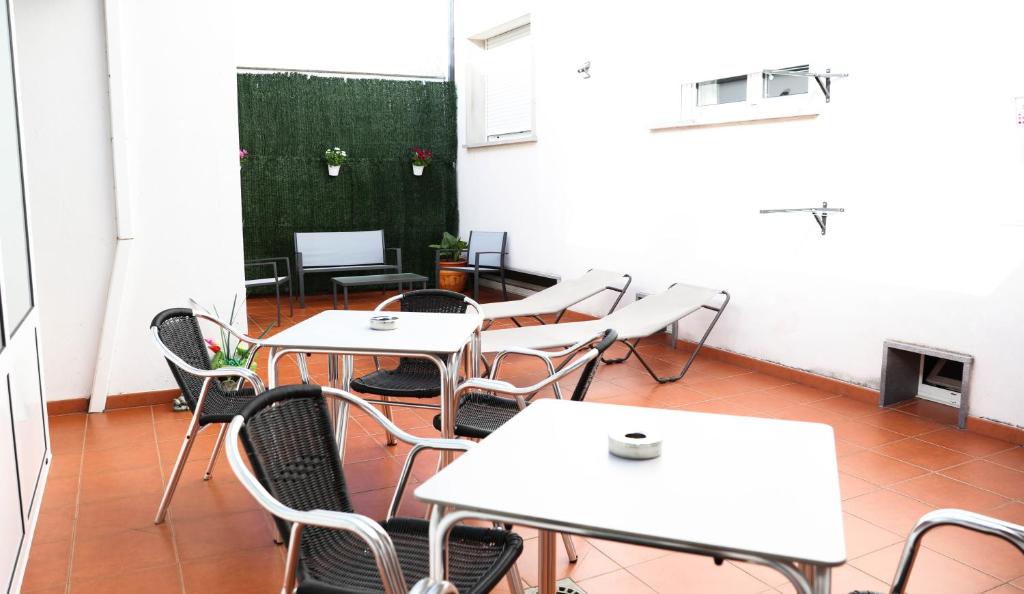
column 558, row 298
column 632, row 323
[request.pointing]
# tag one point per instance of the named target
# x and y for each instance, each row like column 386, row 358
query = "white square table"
column 758, row 490
column 437, row 337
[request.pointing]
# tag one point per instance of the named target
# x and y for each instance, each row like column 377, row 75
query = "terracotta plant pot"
column 450, row 280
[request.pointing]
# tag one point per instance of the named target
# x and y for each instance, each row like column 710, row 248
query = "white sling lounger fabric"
column 636, row 320
column 554, row 299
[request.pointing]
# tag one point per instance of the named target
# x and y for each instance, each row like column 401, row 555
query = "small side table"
column 399, row 278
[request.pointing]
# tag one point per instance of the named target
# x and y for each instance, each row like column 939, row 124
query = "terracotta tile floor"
column 96, row 533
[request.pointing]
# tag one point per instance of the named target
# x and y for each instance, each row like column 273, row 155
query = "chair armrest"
column 501, row 387
column 428, row 442
column 439, row 251
column 372, row 533
column 203, row 314
column 1012, row 533
column 419, row 443
column 287, row 263
column 476, row 258
column 273, row 266
column 545, row 356
column 239, row 372
column 398, row 256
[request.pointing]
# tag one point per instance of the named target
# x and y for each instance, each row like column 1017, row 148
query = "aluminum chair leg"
column 515, row 583
column 291, row 301
column 216, row 450
column 570, row 548
column 387, row 413
column 179, row 465
column 277, row 294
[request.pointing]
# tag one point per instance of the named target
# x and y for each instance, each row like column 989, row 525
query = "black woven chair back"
column 590, row 369
column 289, row 440
column 179, row 330
column 429, row 301
column 434, row 301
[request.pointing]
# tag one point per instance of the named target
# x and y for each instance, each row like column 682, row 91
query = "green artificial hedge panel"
column 287, row 121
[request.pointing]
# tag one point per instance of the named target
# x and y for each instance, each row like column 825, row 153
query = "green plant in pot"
column 450, row 254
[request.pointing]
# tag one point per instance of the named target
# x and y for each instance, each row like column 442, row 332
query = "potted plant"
column 335, row 158
column 420, row 159
column 243, row 155
column 449, row 253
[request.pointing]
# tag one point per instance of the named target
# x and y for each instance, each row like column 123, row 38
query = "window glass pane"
column 780, row 85
column 508, row 84
column 16, row 280
column 723, row 90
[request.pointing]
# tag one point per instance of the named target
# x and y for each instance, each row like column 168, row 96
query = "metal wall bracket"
column 820, row 214
column 826, row 86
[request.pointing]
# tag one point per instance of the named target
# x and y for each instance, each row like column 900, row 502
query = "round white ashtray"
column 635, row 444
column 384, row 322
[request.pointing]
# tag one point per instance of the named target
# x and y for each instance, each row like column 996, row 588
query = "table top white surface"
column 741, row 484
column 350, row 330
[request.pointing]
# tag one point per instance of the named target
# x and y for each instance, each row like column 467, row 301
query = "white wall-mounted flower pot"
column 418, row 169
column 333, row 170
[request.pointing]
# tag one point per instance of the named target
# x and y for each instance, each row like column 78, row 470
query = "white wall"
column 919, row 144
column 69, row 179
column 407, row 37
column 180, row 139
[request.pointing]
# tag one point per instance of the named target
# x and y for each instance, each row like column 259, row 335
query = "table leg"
column 822, row 583
column 347, row 369
column 345, row 291
column 474, row 354
column 546, row 578
column 451, row 372
column 272, row 368
column 334, row 294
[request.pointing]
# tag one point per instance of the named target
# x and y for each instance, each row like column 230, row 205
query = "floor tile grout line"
column 937, row 472
column 923, row 544
column 78, row 503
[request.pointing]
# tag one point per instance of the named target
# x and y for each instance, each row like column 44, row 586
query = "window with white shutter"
column 500, row 98
column 508, row 84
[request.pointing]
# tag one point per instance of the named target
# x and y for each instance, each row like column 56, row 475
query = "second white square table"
column 759, row 490
column 436, row 337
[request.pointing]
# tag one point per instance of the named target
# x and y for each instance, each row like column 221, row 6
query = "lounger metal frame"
column 686, row 367
column 621, row 292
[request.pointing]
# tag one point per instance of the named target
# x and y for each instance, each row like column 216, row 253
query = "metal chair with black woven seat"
column 180, row 339
column 298, row 477
column 1011, row 533
column 481, row 411
column 412, row 378
column 485, row 254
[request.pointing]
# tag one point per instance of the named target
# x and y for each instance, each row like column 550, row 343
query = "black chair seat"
column 479, row 414
column 221, row 406
column 414, row 378
column 334, row 562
